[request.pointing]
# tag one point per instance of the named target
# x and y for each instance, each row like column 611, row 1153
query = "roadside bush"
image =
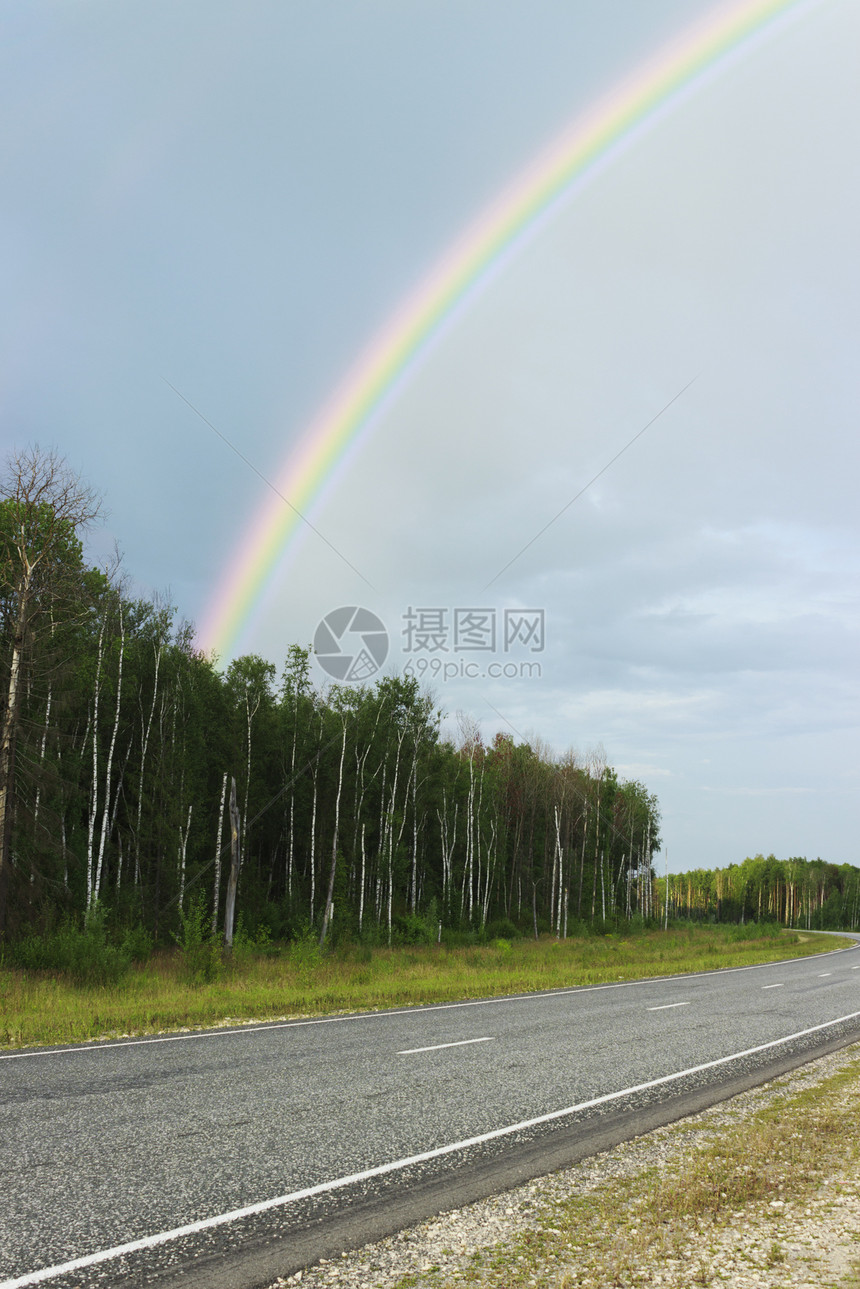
column 85, row 955
column 372, row 935
column 137, row 943
column 202, row 961
column 304, row 952
column 501, row 929
column 458, row 937
column 411, row 928
column 602, row 926
column 257, row 945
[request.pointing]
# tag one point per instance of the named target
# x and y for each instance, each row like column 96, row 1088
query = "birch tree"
column 341, row 702
column 45, row 507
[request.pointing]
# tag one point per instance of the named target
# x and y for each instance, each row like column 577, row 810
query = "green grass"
column 38, row 1007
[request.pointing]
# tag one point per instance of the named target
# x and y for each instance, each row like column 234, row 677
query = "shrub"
column 305, row 953
column 137, row 943
column 501, row 929
column 602, row 926
column 458, row 937
column 84, row 955
column 411, row 928
column 200, row 949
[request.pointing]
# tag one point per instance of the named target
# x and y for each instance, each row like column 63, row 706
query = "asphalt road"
column 243, row 1154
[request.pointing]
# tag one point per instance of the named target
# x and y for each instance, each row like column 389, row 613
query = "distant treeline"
column 795, row 892
column 121, row 743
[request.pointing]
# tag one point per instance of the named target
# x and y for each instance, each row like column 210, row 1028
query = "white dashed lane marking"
column 464, row 1042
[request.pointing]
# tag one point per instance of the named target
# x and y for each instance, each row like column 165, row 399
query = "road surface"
column 250, row 1152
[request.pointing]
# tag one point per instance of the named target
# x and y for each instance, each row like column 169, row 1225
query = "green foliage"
column 412, row 928
column 257, row 944
column 501, row 929
column 796, row 892
column 492, row 842
column 85, row 956
column 305, row 954
column 372, row 935
column 137, row 943
column 201, row 950
column 455, row 937
column 360, row 772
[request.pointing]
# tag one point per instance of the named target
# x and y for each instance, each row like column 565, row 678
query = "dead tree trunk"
column 235, row 864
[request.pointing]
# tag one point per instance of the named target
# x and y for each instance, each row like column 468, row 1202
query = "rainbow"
column 593, row 141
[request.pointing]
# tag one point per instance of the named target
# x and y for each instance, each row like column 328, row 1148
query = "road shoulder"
column 760, row 1192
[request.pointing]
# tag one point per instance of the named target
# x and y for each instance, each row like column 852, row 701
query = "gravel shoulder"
column 759, row 1192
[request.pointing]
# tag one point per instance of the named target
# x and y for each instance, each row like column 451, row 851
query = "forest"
column 125, row 753
column 810, row 894
column 138, row 780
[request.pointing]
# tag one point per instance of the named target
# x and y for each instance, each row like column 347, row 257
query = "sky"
column 209, row 211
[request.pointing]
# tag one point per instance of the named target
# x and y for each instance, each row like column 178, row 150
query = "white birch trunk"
column 559, row 862
column 42, row 747
column 217, row 885
column 361, row 896
column 94, row 800
column 413, row 893
column 313, row 847
column 390, row 828
column 490, row 865
column 109, row 765
column 335, row 839
column 183, row 843
column 292, row 831
column 235, row 864
column 250, row 714
column 10, row 721
column 145, row 731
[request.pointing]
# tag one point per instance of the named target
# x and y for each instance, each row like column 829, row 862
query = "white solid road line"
column 779, row 986
column 251, row 1210
column 824, row 973
column 437, row 1047
column 384, row 1013
column 664, row 1007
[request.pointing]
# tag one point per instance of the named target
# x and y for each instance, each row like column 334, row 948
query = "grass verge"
column 38, row 1007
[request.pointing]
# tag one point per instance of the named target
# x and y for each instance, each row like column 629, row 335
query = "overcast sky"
column 234, row 198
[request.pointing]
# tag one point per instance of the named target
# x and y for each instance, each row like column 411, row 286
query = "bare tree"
column 44, row 507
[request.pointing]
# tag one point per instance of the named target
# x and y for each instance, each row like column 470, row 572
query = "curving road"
column 250, row 1152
